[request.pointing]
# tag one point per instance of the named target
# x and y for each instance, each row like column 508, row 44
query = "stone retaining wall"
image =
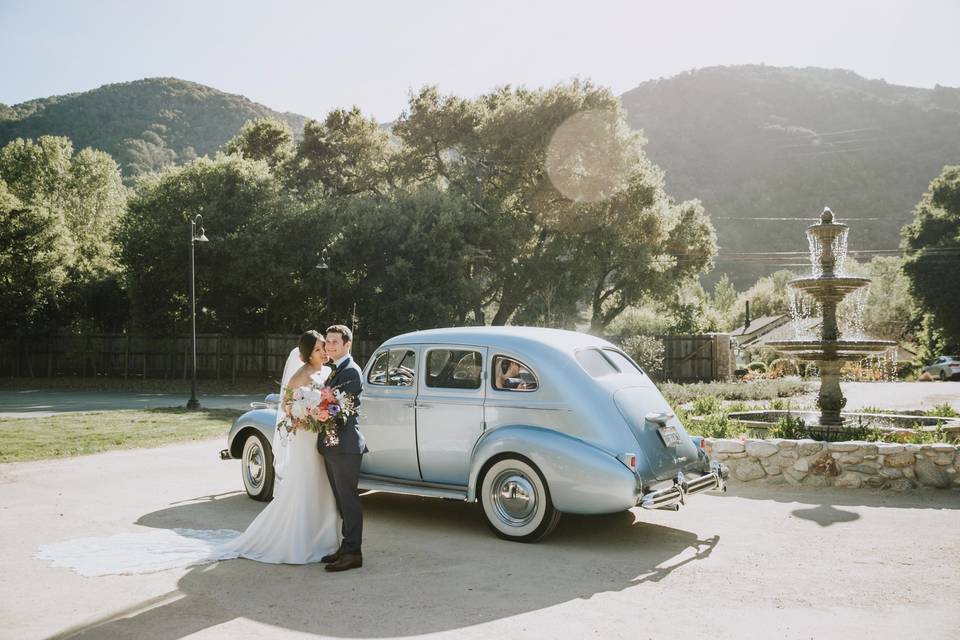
column 900, row 467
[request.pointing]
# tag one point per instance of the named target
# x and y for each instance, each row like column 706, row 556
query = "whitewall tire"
column 516, row 501
column 256, row 467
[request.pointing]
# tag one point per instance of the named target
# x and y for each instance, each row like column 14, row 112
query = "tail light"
column 628, row 459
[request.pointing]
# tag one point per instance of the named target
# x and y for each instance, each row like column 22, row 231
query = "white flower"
column 298, row 410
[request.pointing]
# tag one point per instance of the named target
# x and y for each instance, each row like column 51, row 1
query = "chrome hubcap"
column 253, row 466
column 514, row 498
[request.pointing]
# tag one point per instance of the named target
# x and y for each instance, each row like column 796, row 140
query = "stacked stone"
column 900, row 467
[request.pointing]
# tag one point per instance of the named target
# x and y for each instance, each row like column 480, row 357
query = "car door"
column 388, row 417
column 449, row 410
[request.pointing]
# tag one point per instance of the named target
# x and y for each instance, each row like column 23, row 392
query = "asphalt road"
column 37, row 403
column 754, row 563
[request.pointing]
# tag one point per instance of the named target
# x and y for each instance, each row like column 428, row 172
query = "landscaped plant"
column 782, row 367
column 757, row 367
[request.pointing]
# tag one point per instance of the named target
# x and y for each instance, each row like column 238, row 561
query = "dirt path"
column 755, row 563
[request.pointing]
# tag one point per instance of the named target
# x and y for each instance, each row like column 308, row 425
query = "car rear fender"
column 581, row 477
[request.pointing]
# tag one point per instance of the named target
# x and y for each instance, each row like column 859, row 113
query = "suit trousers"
column 343, row 469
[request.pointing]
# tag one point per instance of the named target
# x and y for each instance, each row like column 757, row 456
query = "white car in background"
column 944, row 367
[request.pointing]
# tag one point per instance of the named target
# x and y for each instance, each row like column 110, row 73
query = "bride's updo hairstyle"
column 308, row 341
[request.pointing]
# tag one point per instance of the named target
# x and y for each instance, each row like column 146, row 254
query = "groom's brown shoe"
column 333, row 557
column 346, row 561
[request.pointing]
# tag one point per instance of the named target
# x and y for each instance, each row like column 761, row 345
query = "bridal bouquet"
column 317, row 408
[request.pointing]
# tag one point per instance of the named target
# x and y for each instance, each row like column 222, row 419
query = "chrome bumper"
column 674, row 496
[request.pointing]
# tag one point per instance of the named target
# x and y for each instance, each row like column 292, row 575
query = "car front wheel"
column 256, row 466
column 516, row 501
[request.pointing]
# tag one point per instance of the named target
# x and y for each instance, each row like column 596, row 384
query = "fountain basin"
column 848, row 350
column 829, row 288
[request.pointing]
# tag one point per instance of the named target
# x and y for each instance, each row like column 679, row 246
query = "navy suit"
column 342, row 460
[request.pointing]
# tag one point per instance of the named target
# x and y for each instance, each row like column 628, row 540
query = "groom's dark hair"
column 308, row 341
column 343, row 330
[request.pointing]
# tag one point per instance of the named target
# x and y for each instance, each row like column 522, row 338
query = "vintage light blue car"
column 529, row 422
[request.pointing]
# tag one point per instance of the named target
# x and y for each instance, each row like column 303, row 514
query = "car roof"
column 503, row 337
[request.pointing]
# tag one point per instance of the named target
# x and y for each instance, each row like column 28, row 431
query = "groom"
column 343, row 459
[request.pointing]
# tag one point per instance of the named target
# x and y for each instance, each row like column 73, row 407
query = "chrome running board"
column 413, row 488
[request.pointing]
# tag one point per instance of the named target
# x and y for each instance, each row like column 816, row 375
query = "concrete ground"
column 897, row 395
column 35, row 403
column 754, row 563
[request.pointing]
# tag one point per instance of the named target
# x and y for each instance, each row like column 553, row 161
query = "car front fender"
column 581, row 477
column 263, row 420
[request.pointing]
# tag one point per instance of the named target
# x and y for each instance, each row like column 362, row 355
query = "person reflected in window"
column 508, row 376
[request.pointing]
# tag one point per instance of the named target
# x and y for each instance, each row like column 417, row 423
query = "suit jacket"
column 348, row 377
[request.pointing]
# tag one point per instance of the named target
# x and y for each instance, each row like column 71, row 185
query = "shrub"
column 789, row 427
column 717, row 425
column 740, row 372
column 647, row 351
column 704, row 405
column 782, row 367
column 943, row 410
column 757, row 368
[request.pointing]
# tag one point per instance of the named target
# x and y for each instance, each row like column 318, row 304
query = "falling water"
column 839, row 247
column 850, row 315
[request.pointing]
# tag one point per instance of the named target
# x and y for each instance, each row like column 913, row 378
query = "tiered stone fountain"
column 828, row 286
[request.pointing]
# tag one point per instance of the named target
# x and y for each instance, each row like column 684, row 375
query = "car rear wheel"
column 256, row 466
column 516, row 501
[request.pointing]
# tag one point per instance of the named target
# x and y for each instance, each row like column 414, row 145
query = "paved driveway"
column 899, row 395
column 37, row 403
column 756, row 563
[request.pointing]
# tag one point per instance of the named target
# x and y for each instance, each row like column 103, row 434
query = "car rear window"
column 595, row 363
column 622, row 362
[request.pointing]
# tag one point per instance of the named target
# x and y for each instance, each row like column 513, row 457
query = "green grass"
column 77, row 434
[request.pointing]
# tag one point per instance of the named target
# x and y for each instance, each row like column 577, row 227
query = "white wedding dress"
column 300, row 525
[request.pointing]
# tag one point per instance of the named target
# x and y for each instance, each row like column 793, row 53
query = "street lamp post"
column 197, row 221
column 324, row 265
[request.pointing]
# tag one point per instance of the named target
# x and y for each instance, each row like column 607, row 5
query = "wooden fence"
column 697, row 358
column 125, row 356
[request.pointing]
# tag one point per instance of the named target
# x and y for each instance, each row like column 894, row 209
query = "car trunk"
column 635, row 404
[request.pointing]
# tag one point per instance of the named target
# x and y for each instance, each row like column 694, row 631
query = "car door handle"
column 422, row 405
column 410, row 405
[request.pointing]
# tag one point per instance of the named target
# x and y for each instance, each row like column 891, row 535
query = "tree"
column 34, row 253
column 567, row 198
column 257, row 272
column 403, row 258
column 267, row 139
column 932, row 247
column 346, row 154
column 85, row 196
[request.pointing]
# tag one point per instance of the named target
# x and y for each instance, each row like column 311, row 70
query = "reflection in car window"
column 512, row 375
column 622, row 362
column 595, row 363
column 454, row 369
column 393, row 368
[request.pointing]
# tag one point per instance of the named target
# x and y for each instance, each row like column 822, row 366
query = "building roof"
column 760, row 326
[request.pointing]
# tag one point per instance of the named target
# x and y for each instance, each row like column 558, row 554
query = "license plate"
column 670, row 436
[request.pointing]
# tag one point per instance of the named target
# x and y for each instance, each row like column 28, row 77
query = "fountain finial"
column 826, row 216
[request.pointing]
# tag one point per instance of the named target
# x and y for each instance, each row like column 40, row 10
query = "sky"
column 311, row 57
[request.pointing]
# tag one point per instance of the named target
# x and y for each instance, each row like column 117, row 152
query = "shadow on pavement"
column 429, row 566
column 918, row 499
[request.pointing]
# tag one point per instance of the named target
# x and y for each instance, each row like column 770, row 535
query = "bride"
column 300, row 525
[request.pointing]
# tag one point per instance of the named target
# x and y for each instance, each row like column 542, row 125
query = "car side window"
column 454, row 369
column 393, row 368
column 512, row 375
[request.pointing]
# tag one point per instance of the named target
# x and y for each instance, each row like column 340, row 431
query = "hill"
column 758, row 142
column 144, row 124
